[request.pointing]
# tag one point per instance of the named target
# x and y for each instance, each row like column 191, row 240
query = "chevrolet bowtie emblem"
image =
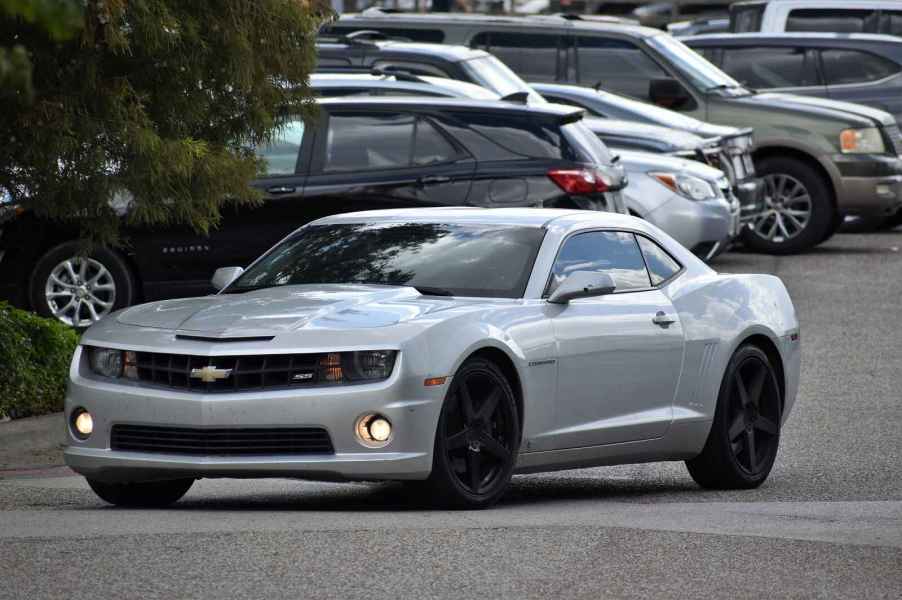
column 210, row 374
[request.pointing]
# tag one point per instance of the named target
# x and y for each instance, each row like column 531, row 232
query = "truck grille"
column 220, row 442
column 232, row 373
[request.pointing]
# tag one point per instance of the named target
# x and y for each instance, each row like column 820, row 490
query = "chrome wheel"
column 787, row 210
column 79, row 291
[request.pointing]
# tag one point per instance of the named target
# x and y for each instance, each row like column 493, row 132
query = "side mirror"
column 582, row 284
column 668, row 93
column 225, row 275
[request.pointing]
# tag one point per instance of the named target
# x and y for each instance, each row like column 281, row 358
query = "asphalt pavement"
column 828, row 522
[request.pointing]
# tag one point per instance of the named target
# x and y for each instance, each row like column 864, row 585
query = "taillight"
column 578, row 181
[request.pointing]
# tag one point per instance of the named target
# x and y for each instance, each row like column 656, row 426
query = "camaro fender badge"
column 537, row 363
column 209, row 374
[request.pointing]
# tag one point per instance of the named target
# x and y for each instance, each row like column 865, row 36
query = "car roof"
column 539, row 22
column 452, row 88
column 828, row 37
column 448, row 52
column 559, row 111
column 523, row 217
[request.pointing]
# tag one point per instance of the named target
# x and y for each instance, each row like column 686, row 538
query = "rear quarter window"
column 503, row 137
column 852, row 66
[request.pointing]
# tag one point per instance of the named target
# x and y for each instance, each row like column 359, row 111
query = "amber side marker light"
column 434, row 381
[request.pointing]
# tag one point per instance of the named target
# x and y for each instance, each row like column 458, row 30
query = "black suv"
column 359, row 154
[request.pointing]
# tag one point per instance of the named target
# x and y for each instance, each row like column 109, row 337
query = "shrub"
column 34, row 362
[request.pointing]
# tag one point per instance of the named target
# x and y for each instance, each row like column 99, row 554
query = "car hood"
column 820, row 106
column 632, row 133
column 644, row 162
column 281, row 309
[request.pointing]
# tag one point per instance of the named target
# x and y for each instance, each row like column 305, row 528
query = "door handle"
column 428, row 179
column 281, row 189
column 662, row 319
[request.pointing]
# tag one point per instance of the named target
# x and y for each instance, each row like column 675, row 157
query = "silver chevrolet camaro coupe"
column 450, row 348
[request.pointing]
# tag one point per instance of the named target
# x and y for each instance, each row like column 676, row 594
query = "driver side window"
column 613, row 252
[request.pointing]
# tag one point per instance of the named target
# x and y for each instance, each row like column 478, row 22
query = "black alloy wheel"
column 745, row 435
column 477, row 439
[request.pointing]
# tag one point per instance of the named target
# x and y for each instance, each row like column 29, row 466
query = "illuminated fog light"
column 374, row 431
column 83, row 423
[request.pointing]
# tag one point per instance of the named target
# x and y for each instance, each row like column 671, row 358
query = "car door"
column 375, row 159
column 620, row 355
column 863, row 78
column 181, row 261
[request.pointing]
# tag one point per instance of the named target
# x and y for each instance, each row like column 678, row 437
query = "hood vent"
column 224, row 340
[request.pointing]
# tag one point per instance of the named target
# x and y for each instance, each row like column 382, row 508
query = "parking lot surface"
column 828, row 522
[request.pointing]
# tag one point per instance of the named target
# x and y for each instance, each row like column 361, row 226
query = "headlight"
column 862, row 141
column 367, row 365
column 108, row 362
column 687, row 186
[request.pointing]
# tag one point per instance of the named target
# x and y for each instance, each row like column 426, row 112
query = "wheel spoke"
column 489, row 405
column 82, row 268
column 466, row 402
column 92, row 311
column 474, row 471
column 737, row 427
column 750, row 448
column 766, row 425
column 782, row 225
column 71, row 271
column 494, row 447
column 740, row 385
column 754, row 390
column 458, row 440
column 795, row 222
column 60, row 282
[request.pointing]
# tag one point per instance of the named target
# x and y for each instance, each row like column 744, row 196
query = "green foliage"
column 163, row 99
column 34, row 362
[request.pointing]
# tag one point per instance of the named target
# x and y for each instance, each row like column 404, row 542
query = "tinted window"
column 280, row 157
column 466, row 260
column 521, row 136
column 613, row 252
column 616, row 65
column 746, row 18
column 832, row 19
column 852, row 66
column 410, row 66
column 430, row 146
column 534, row 57
column 661, row 266
column 891, row 22
column 358, row 142
column 770, row 67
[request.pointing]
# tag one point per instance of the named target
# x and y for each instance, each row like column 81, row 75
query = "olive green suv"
column 820, row 159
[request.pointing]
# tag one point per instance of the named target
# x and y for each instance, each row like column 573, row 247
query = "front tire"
column 745, row 434
column 150, row 494
column 799, row 212
column 477, row 439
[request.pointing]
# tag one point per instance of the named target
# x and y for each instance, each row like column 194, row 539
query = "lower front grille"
column 221, row 442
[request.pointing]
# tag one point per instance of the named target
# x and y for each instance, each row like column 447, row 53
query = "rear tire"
column 745, row 434
column 477, row 438
column 150, row 494
column 95, row 286
column 799, row 212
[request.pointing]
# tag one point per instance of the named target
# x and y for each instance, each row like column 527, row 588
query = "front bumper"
column 869, row 185
column 411, row 408
column 750, row 193
column 707, row 228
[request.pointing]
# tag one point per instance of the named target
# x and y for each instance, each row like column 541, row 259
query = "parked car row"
column 435, row 110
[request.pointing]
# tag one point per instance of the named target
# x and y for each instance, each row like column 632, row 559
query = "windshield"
column 436, row 258
column 703, row 74
column 491, row 73
column 640, row 111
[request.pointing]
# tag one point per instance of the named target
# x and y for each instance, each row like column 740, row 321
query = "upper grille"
column 895, row 138
column 213, row 442
column 244, row 372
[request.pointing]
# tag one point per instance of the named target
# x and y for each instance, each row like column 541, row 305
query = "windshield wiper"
column 432, row 291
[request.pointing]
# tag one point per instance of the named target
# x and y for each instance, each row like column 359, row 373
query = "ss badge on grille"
column 209, row 374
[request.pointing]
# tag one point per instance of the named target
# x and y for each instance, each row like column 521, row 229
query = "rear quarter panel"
column 719, row 313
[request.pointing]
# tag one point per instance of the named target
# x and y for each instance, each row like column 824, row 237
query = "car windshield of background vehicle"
column 587, row 143
column 437, row 258
column 703, row 74
column 493, row 74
